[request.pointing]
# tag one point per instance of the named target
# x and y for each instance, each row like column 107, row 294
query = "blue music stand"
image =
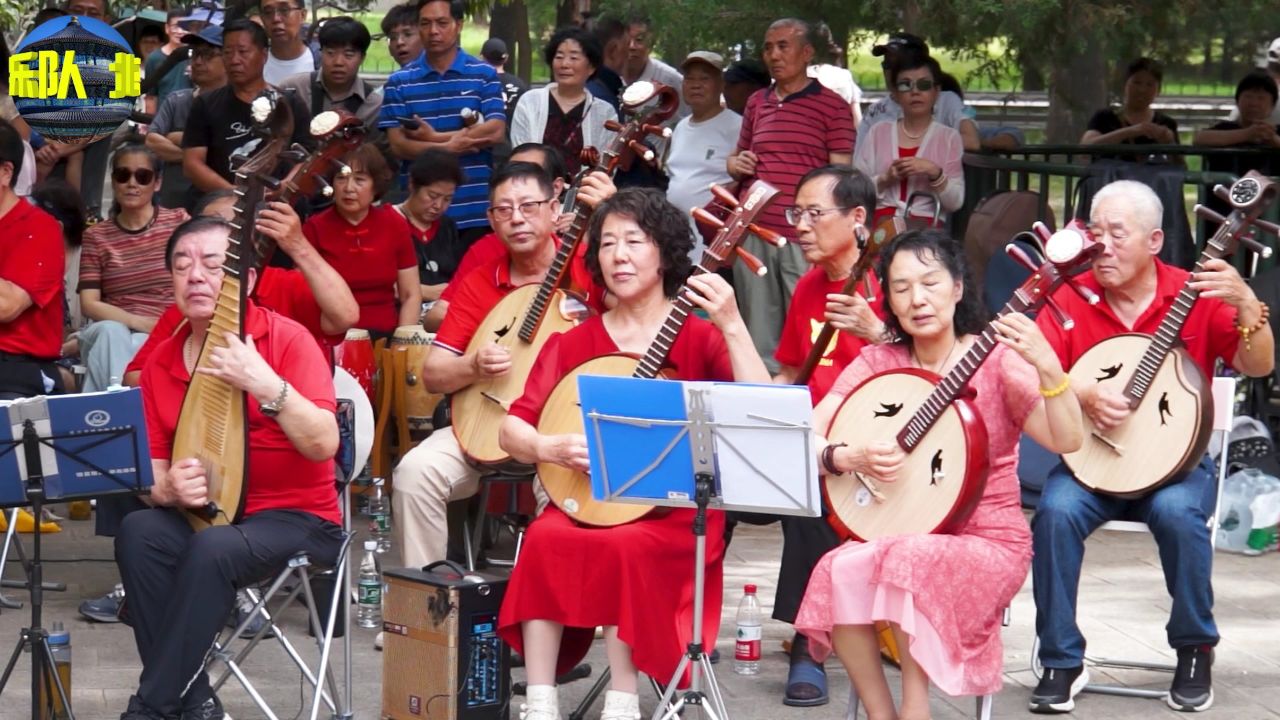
column 661, row 442
column 72, row 447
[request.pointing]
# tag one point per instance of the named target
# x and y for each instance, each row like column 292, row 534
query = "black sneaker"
column 210, row 709
column 1192, row 689
column 244, row 606
column 1057, row 690
column 139, row 711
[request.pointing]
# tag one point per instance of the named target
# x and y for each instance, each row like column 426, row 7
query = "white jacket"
column 529, row 120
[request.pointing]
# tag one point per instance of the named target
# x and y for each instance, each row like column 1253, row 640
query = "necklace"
column 145, row 227
column 903, row 123
column 916, row 360
column 189, row 353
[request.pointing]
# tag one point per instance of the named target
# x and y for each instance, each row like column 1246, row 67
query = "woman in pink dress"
column 943, row 595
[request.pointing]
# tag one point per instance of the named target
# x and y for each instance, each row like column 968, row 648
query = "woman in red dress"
column 633, row 580
column 942, row 594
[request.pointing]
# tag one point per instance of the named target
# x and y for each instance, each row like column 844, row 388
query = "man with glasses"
column 450, row 101
column 289, row 54
column 950, row 109
column 337, row 84
column 167, row 129
column 400, row 26
column 523, row 212
column 832, row 207
column 220, row 121
column 788, row 129
column 641, row 65
column 175, row 78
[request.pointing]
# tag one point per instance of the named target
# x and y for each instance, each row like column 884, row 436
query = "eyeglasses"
column 795, row 214
column 206, row 53
column 144, row 176
column 504, row 212
column 406, row 36
column 274, row 12
column 923, row 85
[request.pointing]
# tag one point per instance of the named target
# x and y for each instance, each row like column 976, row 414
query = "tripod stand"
column 695, row 659
column 35, row 636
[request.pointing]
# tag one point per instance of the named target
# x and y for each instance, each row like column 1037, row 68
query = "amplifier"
column 441, row 656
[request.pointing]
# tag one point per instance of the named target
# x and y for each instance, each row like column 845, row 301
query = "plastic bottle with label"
column 746, row 650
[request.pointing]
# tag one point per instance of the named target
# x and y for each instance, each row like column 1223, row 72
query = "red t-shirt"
column 32, row 257
column 279, row 477
column 369, row 256
column 284, row 291
column 483, row 288
column 699, row 353
column 805, row 318
column 490, row 248
column 1209, row 332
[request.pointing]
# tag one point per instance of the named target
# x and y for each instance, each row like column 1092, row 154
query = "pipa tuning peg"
column 326, row 189
column 1267, row 226
column 1085, row 293
column 706, row 219
column 1258, row 248
column 773, row 238
column 641, row 150
column 613, row 126
column 1060, row 316
column 1222, row 192
column 724, row 196
column 659, row 130
column 1021, row 256
column 1205, row 213
column 751, row 261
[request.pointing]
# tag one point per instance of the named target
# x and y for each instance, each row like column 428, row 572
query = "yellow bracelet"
column 1055, row 392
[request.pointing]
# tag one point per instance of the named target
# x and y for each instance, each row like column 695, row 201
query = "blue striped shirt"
column 418, row 89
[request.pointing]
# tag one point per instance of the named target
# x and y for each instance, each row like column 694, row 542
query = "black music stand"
column 37, row 449
column 648, row 438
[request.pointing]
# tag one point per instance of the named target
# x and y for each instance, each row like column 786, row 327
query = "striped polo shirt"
column 127, row 267
column 790, row 137
column 439, row 98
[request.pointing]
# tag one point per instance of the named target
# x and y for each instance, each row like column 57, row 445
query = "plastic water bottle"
column 746, row 650
column 60, row 646
column 369, row 596
column 380, row 517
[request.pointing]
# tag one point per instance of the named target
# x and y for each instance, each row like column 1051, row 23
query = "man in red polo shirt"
column 1137, row 291
column 181, row 587
column 522, row 211
column 833, row 204
column 31, row 270
column 788, row 129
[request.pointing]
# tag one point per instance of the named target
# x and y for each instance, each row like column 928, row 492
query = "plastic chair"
column 1224, row 392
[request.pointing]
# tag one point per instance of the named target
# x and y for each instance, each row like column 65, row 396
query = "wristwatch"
column 274, row 407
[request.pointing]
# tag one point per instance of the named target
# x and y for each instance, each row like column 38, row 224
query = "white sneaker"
column 542, row 703
column 377, row 641
column 620, row 706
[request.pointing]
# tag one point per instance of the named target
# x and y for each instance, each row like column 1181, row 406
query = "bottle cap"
column 749, row 589
column 370, row 545
column 59, row 636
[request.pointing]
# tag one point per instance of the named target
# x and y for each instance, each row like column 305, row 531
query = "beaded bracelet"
column 1055, row 392
column 940, row 181
column 829, row 458
column 1246, row 332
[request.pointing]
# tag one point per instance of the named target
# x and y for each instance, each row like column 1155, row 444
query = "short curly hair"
column 660, row 220
column 937, row 245
column 367, row 158
column 590, row 45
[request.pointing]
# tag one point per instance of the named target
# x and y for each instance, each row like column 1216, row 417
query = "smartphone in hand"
column 410, row 123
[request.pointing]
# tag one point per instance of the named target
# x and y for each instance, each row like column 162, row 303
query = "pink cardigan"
column 940, row 144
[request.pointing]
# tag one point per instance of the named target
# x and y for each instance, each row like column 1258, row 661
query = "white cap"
column 371, row 545
column 715, row 60
column 1273, row 52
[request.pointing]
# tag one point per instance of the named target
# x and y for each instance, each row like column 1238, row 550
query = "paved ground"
column 1124, row 607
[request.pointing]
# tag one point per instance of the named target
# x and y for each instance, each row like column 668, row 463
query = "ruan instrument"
column 524, row 319
column 571, row 490
column 869, row 245
column 902, row 220
column 1167, row 435
column 213, row 425
column 944, row 437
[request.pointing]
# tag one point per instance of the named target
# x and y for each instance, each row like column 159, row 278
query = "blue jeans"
column 1177, row 515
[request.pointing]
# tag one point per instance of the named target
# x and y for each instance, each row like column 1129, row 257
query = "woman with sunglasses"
column 123, row 282
column 371, row 247
column 563, row 114
column 914, row 154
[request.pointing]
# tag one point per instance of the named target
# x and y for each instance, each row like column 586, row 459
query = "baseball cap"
column 206, row 12
column 494, row 50
column 900, row 41
column 210, row 35
column 747, row 71
column 715, row 60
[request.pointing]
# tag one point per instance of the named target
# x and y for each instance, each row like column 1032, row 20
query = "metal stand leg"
column 697, row 662
column 10, row 536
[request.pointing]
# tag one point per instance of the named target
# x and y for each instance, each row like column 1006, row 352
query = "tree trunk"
column 510, row 21
column 911, row 14
column 1077, row 89
column 1032, row 72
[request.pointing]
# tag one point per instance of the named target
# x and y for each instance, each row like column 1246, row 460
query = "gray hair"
column 1144, row 205
column 806, row 30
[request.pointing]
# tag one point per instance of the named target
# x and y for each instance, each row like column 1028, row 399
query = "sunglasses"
column 144, row 176
column 923, row 85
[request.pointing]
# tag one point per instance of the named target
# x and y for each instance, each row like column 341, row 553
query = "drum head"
column 346, row 388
